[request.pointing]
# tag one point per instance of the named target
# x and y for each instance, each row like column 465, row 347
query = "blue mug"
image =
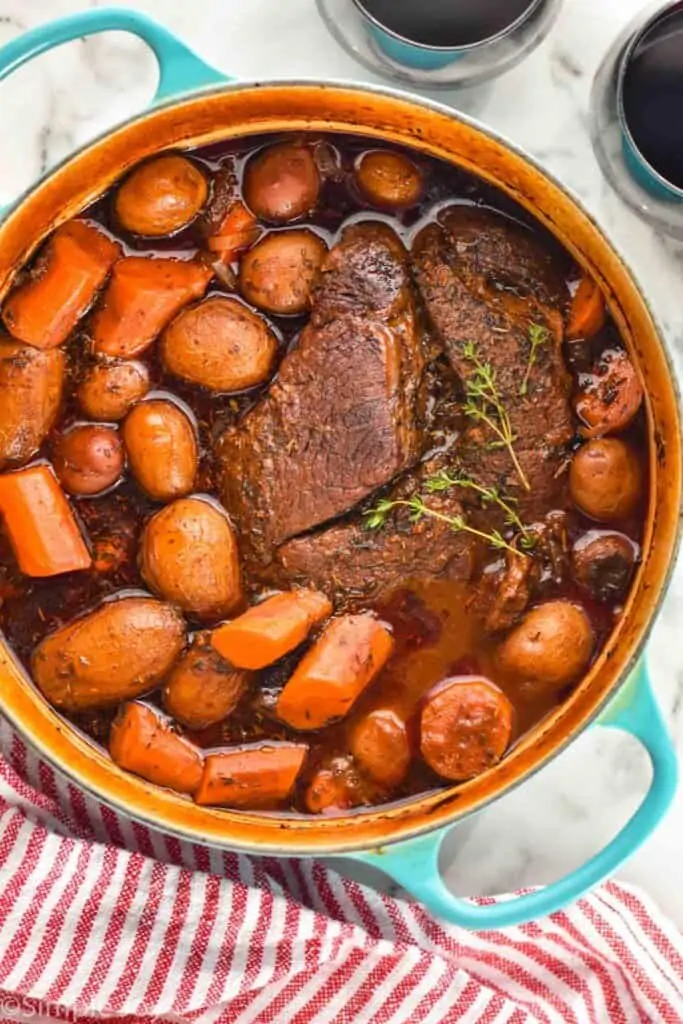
column 427, row 57
column 638, row 165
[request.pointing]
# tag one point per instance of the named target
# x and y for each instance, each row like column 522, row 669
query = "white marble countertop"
column 568, row 811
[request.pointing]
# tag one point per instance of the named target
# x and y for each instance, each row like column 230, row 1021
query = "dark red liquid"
column 447, row 22
column 653, row 96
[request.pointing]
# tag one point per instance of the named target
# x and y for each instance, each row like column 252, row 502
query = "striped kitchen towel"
column 101, row 919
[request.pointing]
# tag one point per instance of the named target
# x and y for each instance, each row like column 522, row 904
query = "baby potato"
column 550, row 648
column 188, row 554
column 220, row 345
column 603, row 563
column 31, row 389
column 161, row 196
column 278, row 273
column 389, row 179
column 161, row 444
column 203, row 688
column 282, row 183
column 88, row 459
column 605, row 479
column 111, row 387
column 116, row 653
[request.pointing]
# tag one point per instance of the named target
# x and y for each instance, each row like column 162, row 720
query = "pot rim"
column 401, row 827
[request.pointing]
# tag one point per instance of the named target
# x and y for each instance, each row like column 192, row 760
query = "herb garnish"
column 444, row 481
column 484, row 405
column 538, row 336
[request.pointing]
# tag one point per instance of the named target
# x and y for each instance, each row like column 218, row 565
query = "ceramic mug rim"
column 624, row 64
column 466, row 47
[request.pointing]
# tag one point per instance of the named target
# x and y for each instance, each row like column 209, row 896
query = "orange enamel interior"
column 236, row 111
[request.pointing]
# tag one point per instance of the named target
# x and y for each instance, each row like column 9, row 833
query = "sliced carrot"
column 611, row 395
column 254, row 778
column 588, row 314
column 271, row 629
column 40, row 524
column 141, row 741
column 44, row 310
column 239, row 230
column 142, row 297
column 350, row 653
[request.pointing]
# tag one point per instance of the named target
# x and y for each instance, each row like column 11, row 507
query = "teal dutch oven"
column 197, row 105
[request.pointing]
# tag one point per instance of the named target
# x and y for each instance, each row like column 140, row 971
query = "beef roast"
column 355, row 565
column 487, row 285
column 344, row 415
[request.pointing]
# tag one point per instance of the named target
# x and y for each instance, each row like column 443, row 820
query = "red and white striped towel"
column 101, row 918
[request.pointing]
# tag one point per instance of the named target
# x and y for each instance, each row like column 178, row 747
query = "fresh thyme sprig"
column 538, row 336
column 444, row 481
column 376, row 518
column 484, row 405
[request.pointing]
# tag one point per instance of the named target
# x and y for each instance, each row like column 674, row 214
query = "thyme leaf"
column 538, row 336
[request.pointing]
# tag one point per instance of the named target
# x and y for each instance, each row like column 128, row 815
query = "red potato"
column 282, row 183
column 278, row 273
column 143, row 296
column 351, row 652
column 73, row 267
column 550, row 648
column 31, row 391
column 381, row 747
column 120, row 651
column 161, row 443
column 219, row 344
column 188, row 555
column 111, row 387
column 603, row 563
column 336, row 787
column 605, row 480
column 161, row 196
column 203, row 688
column 465, row 727
column 142, row 742
column 389, row 179
column 271, row 629
column 259, row 777
column 88, row 459
column 611, row 395
column 40, row 525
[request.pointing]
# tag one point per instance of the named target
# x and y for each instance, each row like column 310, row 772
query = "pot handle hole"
column 414, row 864
column 180, row 70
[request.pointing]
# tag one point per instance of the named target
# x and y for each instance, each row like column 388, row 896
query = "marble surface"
column 568, row 811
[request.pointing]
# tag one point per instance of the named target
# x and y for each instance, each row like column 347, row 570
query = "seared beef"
column 487, row 283
column 345, row 414
column 355, row 565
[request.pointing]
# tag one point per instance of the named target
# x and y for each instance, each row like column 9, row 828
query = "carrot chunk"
column 350, row 653
column 239, row 230
column 271, row 629
column 254, row 778
column 44, row 310
column 141, row 741
column 142, row 297
column 40, row 524
column 588, row 314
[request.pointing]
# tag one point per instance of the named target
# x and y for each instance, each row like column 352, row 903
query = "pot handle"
column 180, row 70
column 414, row 864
